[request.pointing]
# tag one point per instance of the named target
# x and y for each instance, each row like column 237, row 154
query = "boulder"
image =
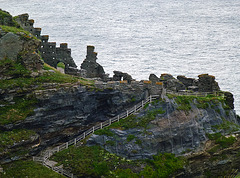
column 10, row 46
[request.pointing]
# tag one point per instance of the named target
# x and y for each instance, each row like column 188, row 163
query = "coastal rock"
column 118, row 76
column 207, row 83
column 187, row 81
column 154, row 78
column 175, row 131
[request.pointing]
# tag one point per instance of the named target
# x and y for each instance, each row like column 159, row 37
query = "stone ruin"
column 118, row 76
column 90, row 65
column 51, row 54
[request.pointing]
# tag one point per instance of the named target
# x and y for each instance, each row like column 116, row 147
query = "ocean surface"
column 140, row 37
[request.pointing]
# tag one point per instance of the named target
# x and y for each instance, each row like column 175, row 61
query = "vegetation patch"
column 21, row 76
column 96, row 162
column 28, row 169
column 61, row 65
column 9, row 138
column 25, row 35
column 221, row 140
column 22, row 107
column 130, row 137
column 184, row 102
column 105, row 131
column 227, row 126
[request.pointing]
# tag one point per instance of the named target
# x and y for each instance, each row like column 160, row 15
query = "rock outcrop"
column 207, row 83
column 174, row 131
column 118, row 76
column 24, row 50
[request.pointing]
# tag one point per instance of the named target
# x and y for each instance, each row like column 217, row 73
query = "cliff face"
column 178, row 125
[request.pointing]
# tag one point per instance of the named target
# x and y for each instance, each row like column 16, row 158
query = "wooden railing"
column 75, row 141
column 197, row 94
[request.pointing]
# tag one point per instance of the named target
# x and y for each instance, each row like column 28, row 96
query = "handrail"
column 81, row 137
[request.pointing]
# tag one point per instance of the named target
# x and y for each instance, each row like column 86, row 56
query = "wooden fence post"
column 101, row 125
column 110, row 121
column 67, row 145
column 58, row 149
column 93, row 129
column 118, row 118
column 75, row 141
column 150, row 98
column 142, row 103
column 127, row 113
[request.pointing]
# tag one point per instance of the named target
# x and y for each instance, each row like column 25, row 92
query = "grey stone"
column 93, row 69
column 10, row 46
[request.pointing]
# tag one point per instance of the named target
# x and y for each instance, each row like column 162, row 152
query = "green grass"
column 104, row 131
column 227, row 126
column 130, row 137
column 28, row 169
column 22, row 107
column 25, row 35
column 3, row 15
column 21, row 76
column 9, row 138
column 221, row 140
column 61, row 65
column 163, row 165
column 184, row 102
column 94, row 161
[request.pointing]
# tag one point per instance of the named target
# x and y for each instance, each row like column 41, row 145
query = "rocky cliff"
column 176, row 125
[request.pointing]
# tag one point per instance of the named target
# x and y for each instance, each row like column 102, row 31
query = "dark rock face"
column 170, row 83
column 93, row 69
column 175, row 131
column 187, row 81
column 118, row 76
column 153, row 78
column 229, row 99
column 207, row 83
column 63, row 113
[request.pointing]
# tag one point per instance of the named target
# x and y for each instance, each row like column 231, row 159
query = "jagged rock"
column 93, row 69
column 153, row 78
column 187, row 81
column 166, row 77
column 229, row 99
column 174, row 131
column 207, row 83
column 174, row 85
column 118, row 76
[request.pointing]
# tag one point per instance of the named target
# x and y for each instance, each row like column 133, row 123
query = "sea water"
column 140, row 37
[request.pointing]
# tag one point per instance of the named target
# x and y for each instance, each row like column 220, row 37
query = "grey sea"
column 180, row 37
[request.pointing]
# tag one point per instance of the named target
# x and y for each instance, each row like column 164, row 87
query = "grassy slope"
column 28, row 169
column 96, row 162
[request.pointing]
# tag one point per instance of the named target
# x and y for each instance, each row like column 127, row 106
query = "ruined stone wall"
column 51, row 54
